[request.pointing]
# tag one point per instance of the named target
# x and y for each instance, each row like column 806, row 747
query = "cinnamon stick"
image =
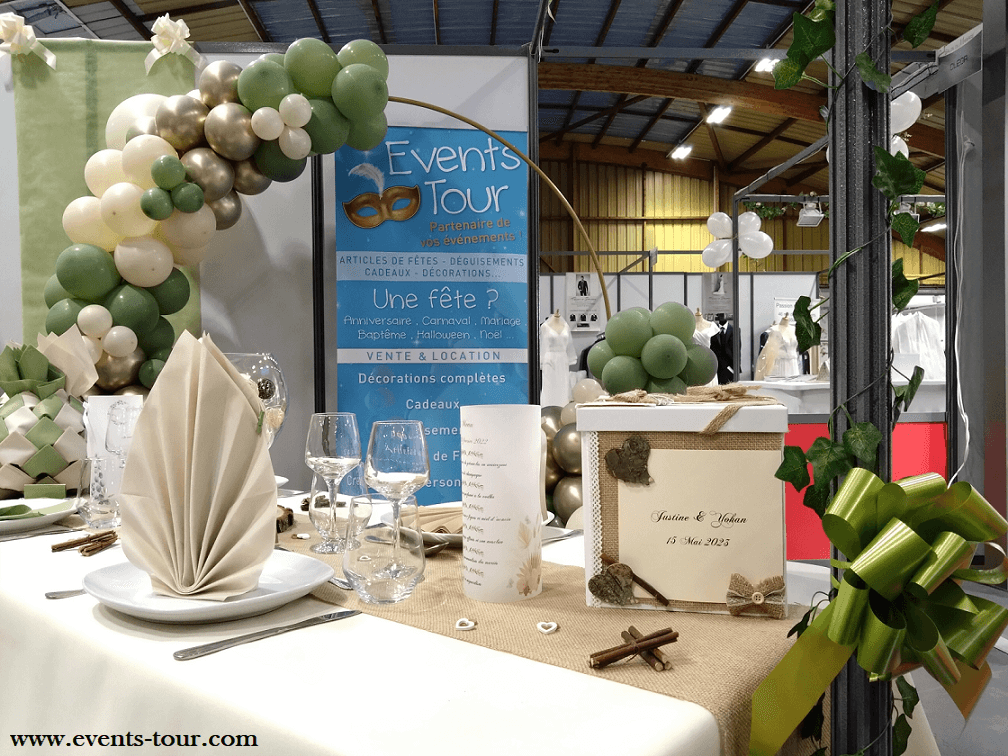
column 77, row 542
column 607, row 560
column 616, row 653
column 659, row 654
column 100, row 544
column 648, row 656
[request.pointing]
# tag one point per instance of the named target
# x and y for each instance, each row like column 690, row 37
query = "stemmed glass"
column 263, row 370
column 122, row 419
column 397, row 466
column 332, row 450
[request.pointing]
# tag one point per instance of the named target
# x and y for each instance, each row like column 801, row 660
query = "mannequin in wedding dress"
column 779, row 356
column 704, row 329
column 556, row 355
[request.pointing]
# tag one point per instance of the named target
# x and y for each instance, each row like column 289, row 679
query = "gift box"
column 685, row 497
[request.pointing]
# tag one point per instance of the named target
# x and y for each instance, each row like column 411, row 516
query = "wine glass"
column 331, row 451
column 122, row 419
column 331, row 519
column 263, row 370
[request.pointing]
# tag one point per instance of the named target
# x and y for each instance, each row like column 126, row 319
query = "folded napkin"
column 198, row 499
column 68, row 354
column 441, row 519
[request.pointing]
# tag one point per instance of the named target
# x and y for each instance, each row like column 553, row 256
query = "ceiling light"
column 680, row 152
column 810, row 215
column 766, row 65
column 719, row 114
column 935, row 227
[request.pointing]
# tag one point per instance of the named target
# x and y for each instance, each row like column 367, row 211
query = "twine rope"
column 733, row 395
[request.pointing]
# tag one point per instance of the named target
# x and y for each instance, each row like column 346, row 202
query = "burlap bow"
column 19, row 39
column 171, row 37
column 767, row 597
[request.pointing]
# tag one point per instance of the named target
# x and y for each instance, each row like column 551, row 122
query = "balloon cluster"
column 170, row 178
column 652, row 351
column 753, row 242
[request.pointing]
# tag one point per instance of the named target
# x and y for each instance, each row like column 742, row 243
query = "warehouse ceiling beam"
column 313, row 7
column 149, row 18
column 257, row 24
column 784, row 126
column 378, row 20
column 132, row 18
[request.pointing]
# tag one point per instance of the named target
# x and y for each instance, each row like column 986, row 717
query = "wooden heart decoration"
column 614, row 585
column 629, row 462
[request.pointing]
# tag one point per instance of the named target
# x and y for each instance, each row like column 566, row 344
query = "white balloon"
column 143, row 261
column 94, row 348
column 267, row 124
column 720, row 225
column 568, row 414
column 904, row 112
column 717, row 253
column 103, row 169
column 756, row 245
column 82, row 222
column 897, row 144
column 295, row 143
column 189, row 258
column 94, row 321
column 189, row 230
column 586, row 390
column 195, row 94
column 120, row 209
column 295, row 110
column 138, row 155
column 748, row 223
column 120, row 341
column 125, row 113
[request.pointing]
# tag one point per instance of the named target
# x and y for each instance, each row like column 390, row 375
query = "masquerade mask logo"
column 370, row 210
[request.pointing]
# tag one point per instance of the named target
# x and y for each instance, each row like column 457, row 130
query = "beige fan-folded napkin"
column 198, row 494
column 441, row 519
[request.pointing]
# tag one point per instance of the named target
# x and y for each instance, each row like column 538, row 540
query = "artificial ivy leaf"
column 794, row 468
column 811, row 726
column 903, row 289
column 819, row 14
column 920, row 26
column 825, row 5
column 862, row 440
column 900, row 735
column 811, row 38
column 895, row 175
column 788, row 72
column 819, row 751
column 829, row 460
column 909, row 695
column 870, row 74
column 802, row 624
column 817, row 498
column 897, row 407
column 807, row 331
column 906, row 226
column 912, row 386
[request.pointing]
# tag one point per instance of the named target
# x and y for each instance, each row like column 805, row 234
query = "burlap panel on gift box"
column 609, row 486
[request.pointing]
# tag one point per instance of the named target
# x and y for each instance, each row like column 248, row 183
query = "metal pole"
column 861, row 296
column 318, row 283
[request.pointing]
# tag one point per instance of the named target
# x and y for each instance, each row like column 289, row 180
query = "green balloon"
column 663, row 356
column 674, row 319
column 360, row 92
column 62, row 315
column 87, row 272
column 134, row 307
column 628, row 331
column 673, row 385
column 187, row 197
column 54, row 292
column 328, row 128
column 168, row 172
column 171, row 294
column 161, row 336
column 368, row 134
column 263, row 84
column 161, row 354
column 623, row 373
column 272, row 163
column 598, row 356
column 701, row 365
column 364, row 51
column 149, row 372
column 312, row 66
column 277, row 58
column 156, row 204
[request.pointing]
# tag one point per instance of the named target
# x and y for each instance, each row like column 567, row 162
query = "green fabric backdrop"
column 60, row 121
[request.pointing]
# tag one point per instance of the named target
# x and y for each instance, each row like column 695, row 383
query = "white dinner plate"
column 454, row 539
column 51, row 511
column 281, row 481
column 285, row 577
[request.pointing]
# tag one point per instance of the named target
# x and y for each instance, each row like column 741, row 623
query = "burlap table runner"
column 719, row 660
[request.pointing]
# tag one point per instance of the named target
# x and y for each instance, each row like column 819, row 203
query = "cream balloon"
column 756, row 245
column 720, row 225
column 94, row 348
column 295, row 143
column 190, row 258
column 267, row 124
column 228, row 131
column 141, row 125
column 295, row 110
column 139, row 154
column 213, row 173
column 227, row 210
column 568, row 415
column 83, row 224
column 103, row 169
column 897, row 144
column 587, row 390
column 94, row 321
column 218, row 83
column 143, row 261
column 120, row 209
column 748, row 223
column 125, row 113
column 904, row 112
column 248, row 178
column 189, row 230
column 120, row 341
column 717, row 253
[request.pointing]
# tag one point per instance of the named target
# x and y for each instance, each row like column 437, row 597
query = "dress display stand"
column 705, row 331
column 556, row 355
column 779, row 357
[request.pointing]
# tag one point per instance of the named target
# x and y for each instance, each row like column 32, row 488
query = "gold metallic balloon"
column 227, row 210
column 116, row 372
column 568, row 497
column 213, row 173
column 228, row 131
column 553, row 471
column 142, row 125
column 219, row 83
column 551, row 421
column 132, row 390
column 180, row 121
column 567, row 449
column 248, row 179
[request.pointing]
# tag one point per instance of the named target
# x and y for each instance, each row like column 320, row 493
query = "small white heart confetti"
column 547, row 627
column 465, row 624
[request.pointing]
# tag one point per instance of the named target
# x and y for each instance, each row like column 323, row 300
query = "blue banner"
column 433, row 284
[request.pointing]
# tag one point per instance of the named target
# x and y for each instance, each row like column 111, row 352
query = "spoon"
column 64, row 594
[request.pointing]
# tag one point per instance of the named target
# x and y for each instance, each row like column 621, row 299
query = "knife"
column 196, row 651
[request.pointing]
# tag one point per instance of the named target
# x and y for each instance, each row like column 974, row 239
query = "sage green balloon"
column 364, row 51
column 187, row 197
column 673, row 385
column 263, row 84
column 628, row 331
column 360, row 92
column 701, row 365
column 624, row 373
column 172, row 294
column 161, row 336
column 87, row 272
column 277, row 58
column 168, row 172
column 598, row 356
column 161, row 354
column 328, row 128
column 312, row 66
column 674, row 319
column 62, row 315
column 54, row 292
column 133, row 307
column 368, row 134
column 663, row 356
column 156, row 203
column 275, row 165
column 149, row 372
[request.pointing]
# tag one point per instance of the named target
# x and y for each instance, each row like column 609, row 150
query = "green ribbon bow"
column 899, row 605
column 25, row 368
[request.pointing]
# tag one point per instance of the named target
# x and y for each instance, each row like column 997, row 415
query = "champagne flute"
column 331, row 451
